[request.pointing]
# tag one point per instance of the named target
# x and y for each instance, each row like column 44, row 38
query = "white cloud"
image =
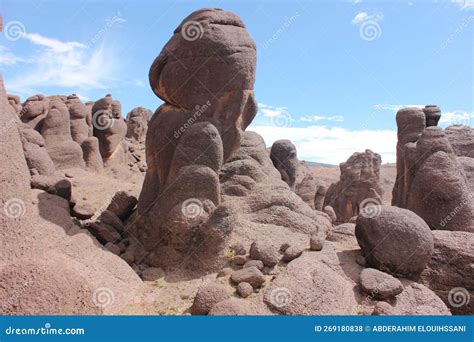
column 355, row 2
column 272, row 111
column 332, row 145
column 458, row 117
column 464, row 4
column 69, row 64
column 394, row 107
column 7, row 58
column 315, row 118
column 364, row 16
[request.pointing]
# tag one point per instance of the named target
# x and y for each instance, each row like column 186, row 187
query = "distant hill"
column 315, row 164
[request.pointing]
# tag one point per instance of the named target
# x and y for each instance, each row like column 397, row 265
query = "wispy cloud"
column 316, row 118
column 272, row 111
column 394, row 107
column 8, row 58
column 364, row 16
column 332, row 145
column 67, row 64
column 464, row 4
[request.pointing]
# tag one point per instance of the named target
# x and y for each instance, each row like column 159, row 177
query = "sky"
column 330, row 74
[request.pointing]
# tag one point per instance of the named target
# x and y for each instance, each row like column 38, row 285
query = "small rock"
column 244, row 289
column 68, row 174
column 239, row 249
column 111, row 247
column 292, row 253
column 122, row 204
column 122, row 246
column 82, row 212
column 284, row 247
column 103, row 232
column 225, row 272
column 239, row 260
column 207, row 296
column 250, row 275
column 379, row 284
column 264, row 251
column 316, row 243
column 152, row 273
column 254, row 263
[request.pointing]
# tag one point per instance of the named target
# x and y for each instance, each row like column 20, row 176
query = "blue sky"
column 330, row 75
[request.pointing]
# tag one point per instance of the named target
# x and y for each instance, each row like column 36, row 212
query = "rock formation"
column 198, row 127
column 297, row 174
column 359, row 184
column 110, row 128
column 137, row 123
column 431, row 179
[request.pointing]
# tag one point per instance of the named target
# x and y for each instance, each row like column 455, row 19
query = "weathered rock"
column 249, row 275
column 137, row 123
column 431, row 178
column 35, row 110
column 450, row 272
column 36, row 154
column 378, row 284
column 53, row 184
column 204, row 130
column 79, row 115
column 291, row 253
column 14, row 101
column 113, row 248
column 56, row 132
column 342, row 233
column 264, row 250
column 319, row 197
column 103, row 232
column 328, row 210
column 110, row 128
column 359, row 184
column 254, row 263
column 383, row 309
column 232, row 307
column 208, row 295
column 82, row 212
column 239, row 249
column 284, row 157
column 239, row 260
column 225, row 272
column 432, row 114
column 244, row 289
column 396, row 241
column 110, row 218
column 122, row 204
column 316, row 242
column 91, row 154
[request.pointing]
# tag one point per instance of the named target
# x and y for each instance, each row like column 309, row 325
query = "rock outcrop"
column 359, row 185
column 137, row 123
column 431, row 178
column 209, row 101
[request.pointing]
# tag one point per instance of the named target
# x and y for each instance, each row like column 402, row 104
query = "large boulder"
column 36, row 154
column 394, row 240
column 450, row 272
column 359, row 185
column 283, row 155
column 34, row 111
column 80, row 118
